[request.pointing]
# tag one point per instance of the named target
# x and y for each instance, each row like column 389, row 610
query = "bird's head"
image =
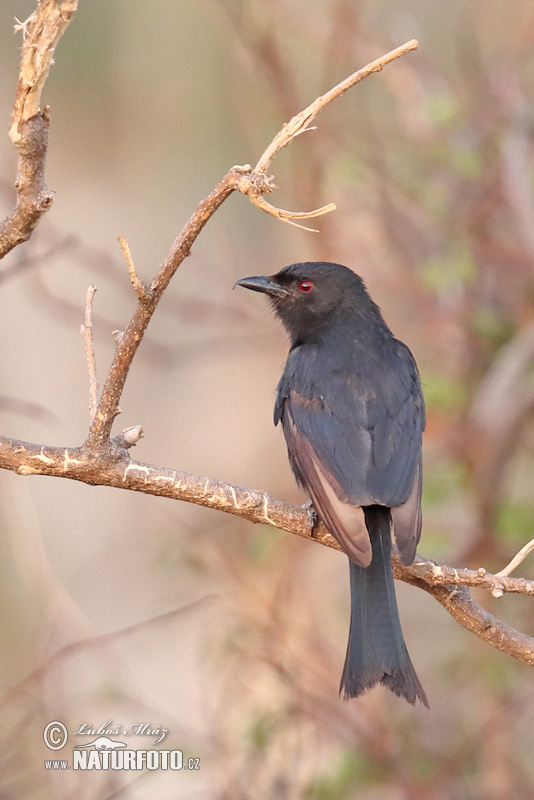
column 310, row 295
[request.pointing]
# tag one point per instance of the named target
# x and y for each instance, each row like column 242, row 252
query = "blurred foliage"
column 351, row 769
column 443, row 394
column 514, row 522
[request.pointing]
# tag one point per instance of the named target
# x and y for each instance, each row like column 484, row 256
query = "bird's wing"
column 356, row 441
column 407, row 519
column 344, row 521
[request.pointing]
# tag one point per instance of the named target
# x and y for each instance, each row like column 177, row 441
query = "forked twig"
column 252, row 182
column 301, row 123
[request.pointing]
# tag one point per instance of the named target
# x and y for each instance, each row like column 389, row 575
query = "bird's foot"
column 312, row 513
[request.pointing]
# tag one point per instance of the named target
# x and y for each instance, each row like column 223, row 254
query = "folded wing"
column 356, row 443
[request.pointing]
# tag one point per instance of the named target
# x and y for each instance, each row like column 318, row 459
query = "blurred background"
column 131, row 609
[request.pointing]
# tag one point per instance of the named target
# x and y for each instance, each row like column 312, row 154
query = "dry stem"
column 301, row 122
column 41, row 33
column 87, row 333
column 29, row 126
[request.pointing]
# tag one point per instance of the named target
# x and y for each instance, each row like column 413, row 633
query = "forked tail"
column 376, row 651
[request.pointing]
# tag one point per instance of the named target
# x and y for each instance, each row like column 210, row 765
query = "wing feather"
column 345, row 522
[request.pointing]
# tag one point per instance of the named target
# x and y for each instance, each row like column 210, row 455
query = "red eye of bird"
column 305, row 286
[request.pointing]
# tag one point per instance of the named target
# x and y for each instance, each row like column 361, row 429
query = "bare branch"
column 447, row 584
column 33, row 196
column 301, row 122
column 457, row 600
column 87, row 333
column 29, row 126
column 131, row 338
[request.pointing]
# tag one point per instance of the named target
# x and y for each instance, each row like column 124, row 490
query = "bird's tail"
column 376, row 651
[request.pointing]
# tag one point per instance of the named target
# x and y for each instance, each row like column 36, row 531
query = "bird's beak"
column 262, row 283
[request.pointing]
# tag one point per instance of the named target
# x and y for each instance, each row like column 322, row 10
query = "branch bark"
column 29, row 125
column 115, row 468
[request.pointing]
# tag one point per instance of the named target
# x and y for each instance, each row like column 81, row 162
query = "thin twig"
column 140, row 289
column 291, row 216
column 132, row 336
column 87, row 333
column 301, row 122
column 516, row 560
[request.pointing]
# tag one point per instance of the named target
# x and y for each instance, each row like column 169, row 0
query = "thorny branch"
column 105, row 462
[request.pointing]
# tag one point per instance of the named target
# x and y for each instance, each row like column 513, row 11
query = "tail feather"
column 376, row 651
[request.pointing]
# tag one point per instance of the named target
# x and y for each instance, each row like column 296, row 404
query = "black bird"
column 353, row 413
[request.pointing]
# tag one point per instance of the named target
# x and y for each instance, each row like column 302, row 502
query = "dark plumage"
column 352, row 411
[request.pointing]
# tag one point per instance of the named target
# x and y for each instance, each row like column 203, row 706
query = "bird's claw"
column 312, row 513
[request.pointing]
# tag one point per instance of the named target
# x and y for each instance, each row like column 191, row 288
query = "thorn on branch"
column 23, row 26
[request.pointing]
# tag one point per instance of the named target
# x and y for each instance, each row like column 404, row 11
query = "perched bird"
column 353, row 413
